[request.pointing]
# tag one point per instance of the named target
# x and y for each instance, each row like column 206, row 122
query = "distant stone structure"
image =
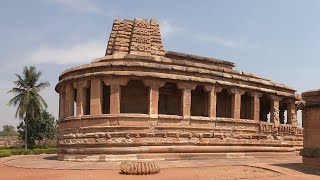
column 141, row 101
column 311, row 121
column 6, row 141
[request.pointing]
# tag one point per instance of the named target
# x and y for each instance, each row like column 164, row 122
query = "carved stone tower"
column 136, row 36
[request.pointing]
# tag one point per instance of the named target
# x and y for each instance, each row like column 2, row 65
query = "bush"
column 9, row 152
column 5, row 153
column 6, row 148
column 21, row 151
column 44, row 151
column 40, row 146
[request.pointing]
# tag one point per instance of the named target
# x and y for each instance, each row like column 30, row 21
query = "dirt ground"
column 219, row 171
column 208, row 173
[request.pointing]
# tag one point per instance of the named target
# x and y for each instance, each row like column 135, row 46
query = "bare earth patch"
column 45, row 167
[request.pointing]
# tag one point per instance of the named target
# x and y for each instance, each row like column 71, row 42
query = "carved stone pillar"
column 62, row 102
column 236, row 102
column 96, row 97
column 115, row 92
column 212, row 95
column 154, row 86
column 81, row 96
column 69, row 100
column 292, row 113
column 255, row 105
column 186, row 89
column 274, row 114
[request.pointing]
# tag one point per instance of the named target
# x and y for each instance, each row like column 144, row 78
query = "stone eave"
column 315, row 92
column 172, row 54
column 101, row 62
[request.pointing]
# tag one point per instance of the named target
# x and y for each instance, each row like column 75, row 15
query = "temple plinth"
column 140, row 101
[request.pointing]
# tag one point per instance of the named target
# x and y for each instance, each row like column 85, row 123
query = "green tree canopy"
column 40, row 128
column 27, row 99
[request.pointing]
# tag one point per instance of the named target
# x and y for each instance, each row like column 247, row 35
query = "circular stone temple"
column 140, row 101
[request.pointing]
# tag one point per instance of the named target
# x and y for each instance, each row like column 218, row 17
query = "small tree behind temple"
column 40, row 128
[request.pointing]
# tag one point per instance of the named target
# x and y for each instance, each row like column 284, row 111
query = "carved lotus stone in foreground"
column 139, row 168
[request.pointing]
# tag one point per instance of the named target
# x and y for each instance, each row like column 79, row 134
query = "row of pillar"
column 67, row 95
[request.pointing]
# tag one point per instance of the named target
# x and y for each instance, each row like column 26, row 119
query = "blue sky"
column 276, row 39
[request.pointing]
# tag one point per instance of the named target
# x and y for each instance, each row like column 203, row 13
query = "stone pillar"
column 274, row 114
column 186, row 89
column 292, row 113
column 212, row 95
column 81, row 96
column 255, row 105
column 154, row 86
column 62, row 101
column 69, row 100
column 311, row 128
column 236, row 102
column 96, row 97
column 115, row 92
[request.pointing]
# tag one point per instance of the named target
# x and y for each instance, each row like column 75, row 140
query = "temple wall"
column 160, row 115
column 311, row 123
column 145, row 100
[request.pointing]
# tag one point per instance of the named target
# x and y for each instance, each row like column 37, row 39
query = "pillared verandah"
column 141, row 101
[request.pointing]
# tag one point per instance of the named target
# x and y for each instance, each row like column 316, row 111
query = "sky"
column 276, row 39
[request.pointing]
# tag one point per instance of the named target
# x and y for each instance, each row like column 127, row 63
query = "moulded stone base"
column 171, row 156
column 178, row 152
column 311, row 161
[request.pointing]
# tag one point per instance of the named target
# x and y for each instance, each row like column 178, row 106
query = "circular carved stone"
column 139, row 168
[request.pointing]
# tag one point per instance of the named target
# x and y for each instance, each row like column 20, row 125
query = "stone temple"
column 141, row 101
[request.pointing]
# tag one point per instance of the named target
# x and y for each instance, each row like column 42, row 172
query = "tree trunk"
column 26, row 135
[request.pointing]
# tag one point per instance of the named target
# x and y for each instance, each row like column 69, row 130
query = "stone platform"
column 47, row 167
column 51, row 162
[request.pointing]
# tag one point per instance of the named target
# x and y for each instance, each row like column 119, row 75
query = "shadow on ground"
column 51, row 158
column 300, row 168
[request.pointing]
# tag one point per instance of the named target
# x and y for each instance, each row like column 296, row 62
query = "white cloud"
column 80, row 53
column 217, row 40
column 87, row 6
column 167, row 27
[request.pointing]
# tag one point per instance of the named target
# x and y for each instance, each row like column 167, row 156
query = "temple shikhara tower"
column 141, row 101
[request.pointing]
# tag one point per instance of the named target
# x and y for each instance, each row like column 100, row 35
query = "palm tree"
column 27, row 99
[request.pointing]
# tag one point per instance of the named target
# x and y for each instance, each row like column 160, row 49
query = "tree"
column 8, row 130
column 27, row 99
column 40, row 128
